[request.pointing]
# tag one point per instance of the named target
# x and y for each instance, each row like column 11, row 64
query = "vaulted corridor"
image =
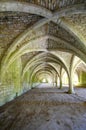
column 42, row 64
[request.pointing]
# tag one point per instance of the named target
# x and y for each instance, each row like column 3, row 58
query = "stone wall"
column 82, row 79
column 11, row 85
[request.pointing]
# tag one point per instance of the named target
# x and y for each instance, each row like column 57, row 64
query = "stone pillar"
column 53, row 80
column 56, row 80
column 60, row 77
column 70, row 76
column 60, row 82
column 71, row 87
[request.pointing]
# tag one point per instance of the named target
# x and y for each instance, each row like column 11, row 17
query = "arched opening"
column 44, row 80
column 65, row 81
column 75, row 79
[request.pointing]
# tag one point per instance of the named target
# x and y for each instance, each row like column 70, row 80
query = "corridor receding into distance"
column 42, row 64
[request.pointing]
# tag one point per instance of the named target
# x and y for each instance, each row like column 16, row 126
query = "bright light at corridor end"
column 44, row 80
column 48, row 80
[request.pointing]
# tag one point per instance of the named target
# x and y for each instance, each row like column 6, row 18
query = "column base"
column 71, row 91
column 60, row 87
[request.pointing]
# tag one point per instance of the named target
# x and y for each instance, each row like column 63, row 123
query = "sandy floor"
column 45, row 109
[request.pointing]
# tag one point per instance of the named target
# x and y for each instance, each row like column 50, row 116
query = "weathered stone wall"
column 11, row 85
column 82, row 79
column 26, row 83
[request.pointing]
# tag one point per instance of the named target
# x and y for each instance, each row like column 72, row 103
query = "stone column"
column 70, row 76
column 71, row 87
column 60, row 82
column 53, row 80
column 60, row 77
column 56, row 80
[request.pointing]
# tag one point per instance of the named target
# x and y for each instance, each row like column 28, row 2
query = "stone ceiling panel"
column 53, row 4
column 13, row 24
column 25, row 58
column 61, row 33
column 79, row 24
column 59, row 45
column 65, row 56
column 81, row 67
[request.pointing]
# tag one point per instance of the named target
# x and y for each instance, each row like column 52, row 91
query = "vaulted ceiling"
column 45, row 34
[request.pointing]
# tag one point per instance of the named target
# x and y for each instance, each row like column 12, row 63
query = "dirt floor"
column 45, row 109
